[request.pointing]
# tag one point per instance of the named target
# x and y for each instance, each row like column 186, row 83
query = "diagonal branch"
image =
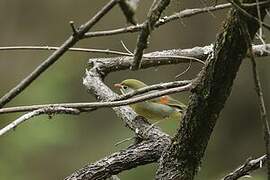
column 183, row 157
column 238, row 6
column 246, row 169
column 72, row 40
column 140, row 154
column 48, row 110
column 154, row 14
column 129, row 8
column 95, row 85
column 259, row 92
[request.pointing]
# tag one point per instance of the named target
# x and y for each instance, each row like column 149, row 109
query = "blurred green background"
column 44, row 148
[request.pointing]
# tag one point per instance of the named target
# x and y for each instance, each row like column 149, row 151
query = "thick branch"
column 159, row 58
column 183, row 157
column 140, row 154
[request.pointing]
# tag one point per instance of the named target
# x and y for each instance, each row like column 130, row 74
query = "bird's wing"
column 152, row 110
column 167, row 100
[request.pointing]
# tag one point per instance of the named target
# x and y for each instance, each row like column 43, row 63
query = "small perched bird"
column 157, row 109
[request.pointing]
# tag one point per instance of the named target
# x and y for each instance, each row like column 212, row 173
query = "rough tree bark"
column 183, row 157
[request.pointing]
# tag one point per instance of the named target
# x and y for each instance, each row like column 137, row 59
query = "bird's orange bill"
column 118, row 85
column 164, row 100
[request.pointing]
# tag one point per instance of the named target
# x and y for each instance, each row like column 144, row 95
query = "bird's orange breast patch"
column 164, row 100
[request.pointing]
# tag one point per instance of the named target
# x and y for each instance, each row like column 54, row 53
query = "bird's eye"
column 125, row 87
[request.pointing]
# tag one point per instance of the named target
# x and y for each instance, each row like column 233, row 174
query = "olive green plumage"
column 164, row 107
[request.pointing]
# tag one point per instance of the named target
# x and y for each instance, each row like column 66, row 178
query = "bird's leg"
column 152, row 125
column 125, row 140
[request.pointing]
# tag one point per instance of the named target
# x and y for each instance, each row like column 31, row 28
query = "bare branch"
column 49, row 48
column 244, row 12
column 74, row 29
column 183, row 14
column 154, row 14
column 263, row 3
column 169, row 88
column 160, row 86
column 247, row 168
column 140, row 154
column 129, row 8
column 48, row 110
column 72, row 40
column 159, row 58
column 138, row 124
column 259, row 92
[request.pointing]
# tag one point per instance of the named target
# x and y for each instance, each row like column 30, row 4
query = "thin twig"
column 246, row 168
column 154, row 87
column 185, row 71
column 49, row 48
column 255, row 4
column 259, row 93
column 103, row 51
column 154, row 14
column 48, row 110
column 71, row 41
column 263, row 112
column 182, row 14
column 84, row 107
column 243, row 11
column 259, row 17
column 125, row 47
column 129, row 8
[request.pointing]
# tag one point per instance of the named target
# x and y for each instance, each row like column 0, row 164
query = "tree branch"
column 72, row 40
column 183, row 157
column 129, row 8
column 239, row 7
column 164, row 20
column 49, row 48
column 154, row 14
column 138, row 124
column 245, row 169
column 158, row 58
column 259, row 92
column 169, row 88
column 153, row 59
column 48, row 110
column 140, row 154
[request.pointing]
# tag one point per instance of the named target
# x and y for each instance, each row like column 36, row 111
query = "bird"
column 161, row 108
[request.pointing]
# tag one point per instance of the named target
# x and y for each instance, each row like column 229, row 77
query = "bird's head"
column 130, row 85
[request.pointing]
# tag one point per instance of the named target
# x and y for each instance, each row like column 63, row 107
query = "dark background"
column 44, row 148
